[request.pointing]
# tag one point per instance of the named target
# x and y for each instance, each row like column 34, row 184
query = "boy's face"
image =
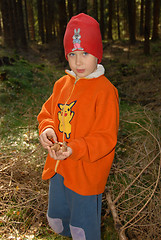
column 82, row 63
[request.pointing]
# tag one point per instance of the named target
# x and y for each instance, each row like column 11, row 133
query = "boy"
column 83, row 112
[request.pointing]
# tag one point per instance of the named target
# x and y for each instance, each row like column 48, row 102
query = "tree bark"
column 156, row 13
column 147, row 27
column 142, row 18
column 26, row 20
column 70, row 8
column 118, row 20
column 110, row 13
column 41, row 20
column 0, row 22
column 45, row 21
column 10, row 34
column 31, row 19
column 6, row 27
column 48, row 13
column 95, row 9
column 21, row 27
column 81, row 6
column 12, row 23
column 102, row 24
column 62, row 25
column 132, row 20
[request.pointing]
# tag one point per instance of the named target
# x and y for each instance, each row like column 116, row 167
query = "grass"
column 22, row 93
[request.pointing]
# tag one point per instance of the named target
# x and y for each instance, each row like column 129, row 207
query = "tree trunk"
column 62, row 25
column 9, row 24
column 0, row 27
column 102, row 25
column 70, row 8
column 156, row 12
column 15, row 21
column 95, row 9
column 0, row 21
column 26, row 20
column 118, row 20
column 5, row 19
column 147, row 27
column 81, row 6
column 12, row 23
column 110, row 13
column 49, row 13
column 132, row 20
column 45, row 22
column 30, row 14
column 142, row 18
column 40, row 20
column 21, row 27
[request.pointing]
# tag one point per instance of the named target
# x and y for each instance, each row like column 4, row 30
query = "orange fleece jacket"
column 91, row 121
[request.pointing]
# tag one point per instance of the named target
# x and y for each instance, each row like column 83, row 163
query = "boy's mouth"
column 80, row 70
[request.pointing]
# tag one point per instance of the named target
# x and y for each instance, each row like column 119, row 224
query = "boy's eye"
column 71, row 54
column 85, row 53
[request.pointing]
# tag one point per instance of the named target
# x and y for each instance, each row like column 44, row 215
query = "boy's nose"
column 78, row 60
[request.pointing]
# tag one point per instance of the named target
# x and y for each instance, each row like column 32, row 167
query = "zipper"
column 76, row 80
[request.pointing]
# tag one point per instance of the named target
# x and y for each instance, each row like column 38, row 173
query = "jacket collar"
column 99, row 72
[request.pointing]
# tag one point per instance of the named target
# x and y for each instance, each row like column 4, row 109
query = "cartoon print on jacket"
column 65, row 116
column 76, row 40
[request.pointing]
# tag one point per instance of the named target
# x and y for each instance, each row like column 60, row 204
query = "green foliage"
column 15, row 81
column 22, row 94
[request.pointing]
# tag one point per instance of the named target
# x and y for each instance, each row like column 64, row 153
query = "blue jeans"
column 71, row 214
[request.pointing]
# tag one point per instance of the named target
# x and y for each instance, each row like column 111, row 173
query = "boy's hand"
column 59, row 155
column 47, row 134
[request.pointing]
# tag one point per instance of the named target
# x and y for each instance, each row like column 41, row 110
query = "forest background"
column 31, row 60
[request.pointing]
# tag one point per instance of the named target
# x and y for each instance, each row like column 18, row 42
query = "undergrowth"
column 23, row 90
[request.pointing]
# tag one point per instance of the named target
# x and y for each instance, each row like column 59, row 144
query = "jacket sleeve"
column 45, row 117
column 102, row 138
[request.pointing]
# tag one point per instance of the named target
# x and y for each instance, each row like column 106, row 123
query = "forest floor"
column 26, row 82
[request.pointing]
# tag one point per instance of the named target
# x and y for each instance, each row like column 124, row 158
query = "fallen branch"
column 117, row 222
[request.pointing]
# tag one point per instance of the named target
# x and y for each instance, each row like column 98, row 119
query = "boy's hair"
column 83, row 34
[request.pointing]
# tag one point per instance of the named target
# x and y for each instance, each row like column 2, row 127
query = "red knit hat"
column 83, row 33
